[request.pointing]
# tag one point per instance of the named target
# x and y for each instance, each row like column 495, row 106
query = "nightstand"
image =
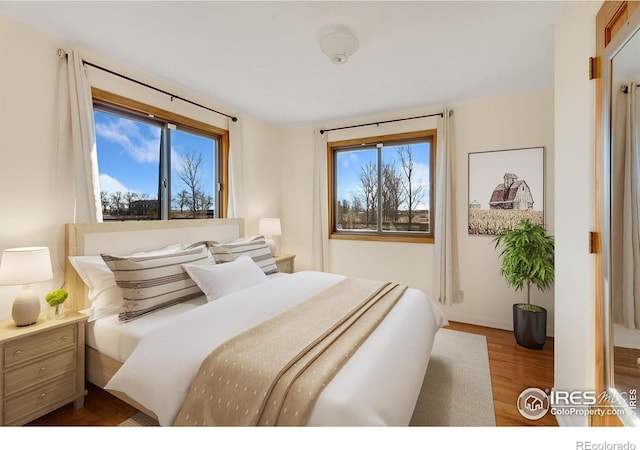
column 284, row 262
column 41, row 367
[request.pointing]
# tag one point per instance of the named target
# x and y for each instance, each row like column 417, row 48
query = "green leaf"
column 527, row 256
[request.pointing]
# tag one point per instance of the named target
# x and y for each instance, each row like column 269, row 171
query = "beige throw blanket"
column 273, row 373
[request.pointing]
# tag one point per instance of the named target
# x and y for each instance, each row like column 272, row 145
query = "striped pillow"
column 256, row 248
column 150, row 283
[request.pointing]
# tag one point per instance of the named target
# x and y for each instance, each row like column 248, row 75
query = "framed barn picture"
column 505, row 186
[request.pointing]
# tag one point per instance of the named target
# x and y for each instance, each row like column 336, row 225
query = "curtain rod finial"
column 60, row 52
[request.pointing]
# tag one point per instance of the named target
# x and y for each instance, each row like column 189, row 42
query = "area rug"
column 139, row 420
column 456, row 391
column 457, row 388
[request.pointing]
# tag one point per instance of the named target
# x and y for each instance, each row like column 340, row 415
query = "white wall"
column 262, row 174
column 296, row 176
column 575, row 123
column 505, row 122
column 28, row 84
column 28, row 130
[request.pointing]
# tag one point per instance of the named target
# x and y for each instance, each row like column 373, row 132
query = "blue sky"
column 128, row 155
column 350, row 162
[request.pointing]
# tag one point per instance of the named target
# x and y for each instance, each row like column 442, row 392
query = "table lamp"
column 270, row 227
column 25, row 265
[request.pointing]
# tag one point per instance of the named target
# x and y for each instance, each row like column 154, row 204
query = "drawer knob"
column 42, row 396
column 17, row 353
column 43, row 369
column 65, row 339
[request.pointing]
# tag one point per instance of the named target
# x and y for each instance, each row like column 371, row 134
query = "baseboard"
column 487, row 322
column 473, row 320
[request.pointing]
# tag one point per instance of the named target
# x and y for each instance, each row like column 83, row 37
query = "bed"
column 153, row 360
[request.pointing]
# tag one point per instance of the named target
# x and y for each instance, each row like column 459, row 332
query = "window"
column 157, row 165
column 381, row 188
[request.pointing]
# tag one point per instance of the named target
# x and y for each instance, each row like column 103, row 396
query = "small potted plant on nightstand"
column 56, row 300
column 527, row 258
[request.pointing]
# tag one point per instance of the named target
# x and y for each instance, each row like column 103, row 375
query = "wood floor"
column 625, row 369
column 513, row 369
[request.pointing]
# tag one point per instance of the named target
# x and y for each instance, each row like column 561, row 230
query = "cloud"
column 421, row 173
column 348, row 158
column 131, row 137
column 110, row 184
column 177, row 160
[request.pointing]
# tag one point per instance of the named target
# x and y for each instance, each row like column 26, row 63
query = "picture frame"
column 505, row 187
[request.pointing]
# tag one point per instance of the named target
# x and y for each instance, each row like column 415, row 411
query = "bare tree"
column 104, row 200
column 344, row 208
column 189, row 173
column 205, row 201
column 368, row 191
column 129, row 198
column 413, row 193
column 116, row 202
column 392, row 195
column 181, row 200
column 356, row 204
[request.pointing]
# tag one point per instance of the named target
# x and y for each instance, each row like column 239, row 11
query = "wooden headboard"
column 122, row 238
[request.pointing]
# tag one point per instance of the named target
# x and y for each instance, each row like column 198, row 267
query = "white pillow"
column 257, row 248
column 105, row 296
column 150, row 283
column 218, row 280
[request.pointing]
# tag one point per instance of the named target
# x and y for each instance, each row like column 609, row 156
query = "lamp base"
column 26, row 307
column 271, row 245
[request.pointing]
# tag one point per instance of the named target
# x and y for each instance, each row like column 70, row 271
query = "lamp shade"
column 270, row 227
column 25, row 265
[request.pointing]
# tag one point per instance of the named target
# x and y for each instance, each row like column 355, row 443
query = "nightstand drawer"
column 38, row 345
column 27, row 376
column 41, row 398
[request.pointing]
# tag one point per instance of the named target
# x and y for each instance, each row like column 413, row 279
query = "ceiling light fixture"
column 339, row 45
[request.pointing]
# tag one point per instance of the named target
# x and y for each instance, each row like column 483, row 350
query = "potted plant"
column 527, row 259
column 56, row 300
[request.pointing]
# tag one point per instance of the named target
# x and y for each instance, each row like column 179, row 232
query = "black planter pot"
column 530, row 327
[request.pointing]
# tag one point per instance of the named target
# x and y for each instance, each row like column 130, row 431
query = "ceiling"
column 263, row 58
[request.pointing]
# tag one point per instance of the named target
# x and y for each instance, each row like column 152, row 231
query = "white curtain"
column 625, row 229
column 236, row 192
column 446, row 277
column 320, row 226
column 77, row 186
column 77, row 182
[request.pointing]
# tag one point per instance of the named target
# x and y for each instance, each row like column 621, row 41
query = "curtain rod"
column 382, row 121
column 62, row 52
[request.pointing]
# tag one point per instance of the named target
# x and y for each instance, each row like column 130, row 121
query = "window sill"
column 382, row 238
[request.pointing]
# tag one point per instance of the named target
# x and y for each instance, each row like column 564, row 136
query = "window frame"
column 334, row 147
column 149, row 113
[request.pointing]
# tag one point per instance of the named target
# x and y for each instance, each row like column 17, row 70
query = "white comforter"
column 379, row 384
